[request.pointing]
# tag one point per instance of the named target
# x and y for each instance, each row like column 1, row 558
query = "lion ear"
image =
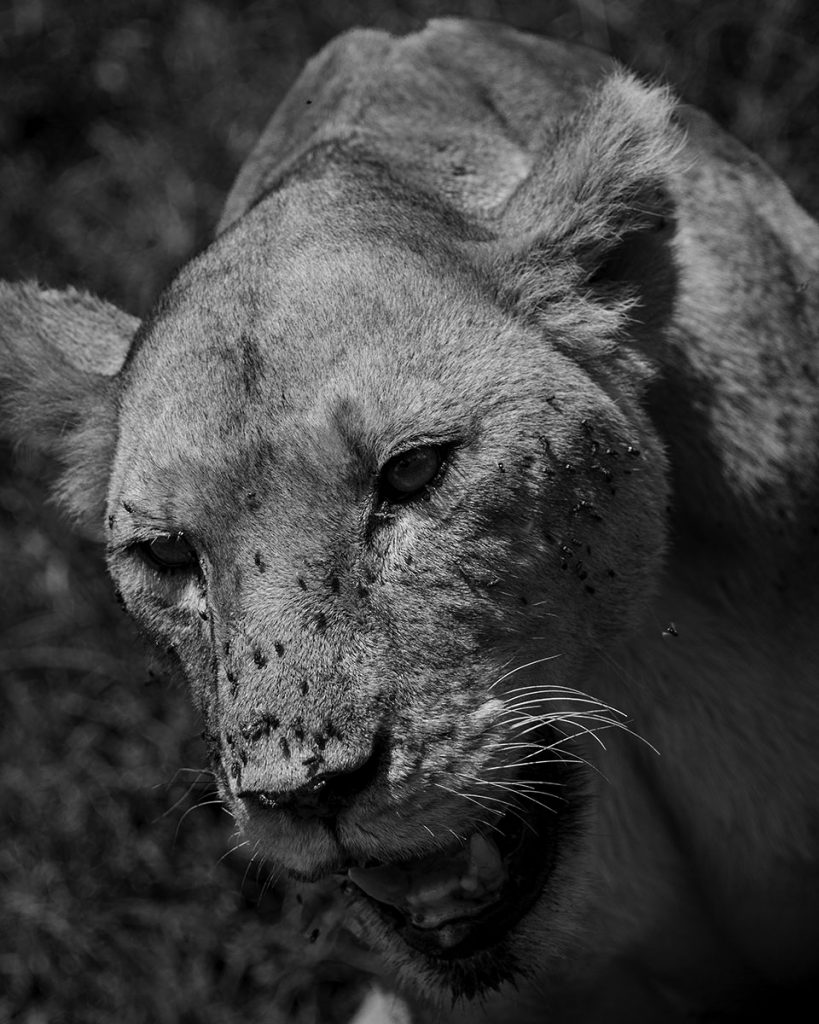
column 595, row 214
column 59, row 356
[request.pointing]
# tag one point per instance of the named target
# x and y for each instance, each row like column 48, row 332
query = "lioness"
column 470, row 478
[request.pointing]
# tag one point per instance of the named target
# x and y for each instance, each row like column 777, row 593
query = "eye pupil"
column 172, row 552
column 409, row 472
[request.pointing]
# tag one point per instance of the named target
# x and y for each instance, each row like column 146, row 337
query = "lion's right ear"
column 60, row 352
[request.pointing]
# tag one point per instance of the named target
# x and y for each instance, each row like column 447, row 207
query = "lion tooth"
column 485, row 872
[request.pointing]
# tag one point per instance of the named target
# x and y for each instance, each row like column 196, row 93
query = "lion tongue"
column 434, row 890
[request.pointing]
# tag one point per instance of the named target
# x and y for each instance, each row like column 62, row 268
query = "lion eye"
column 169, row 552
column 409, row 472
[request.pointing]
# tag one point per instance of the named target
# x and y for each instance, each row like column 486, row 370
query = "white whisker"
column 232, row 850
column 190, row 810
column 520, row 668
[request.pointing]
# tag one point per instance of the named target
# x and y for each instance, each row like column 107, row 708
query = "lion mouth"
column 465, row 899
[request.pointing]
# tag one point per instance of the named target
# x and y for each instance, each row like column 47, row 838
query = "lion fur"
column 472, row 234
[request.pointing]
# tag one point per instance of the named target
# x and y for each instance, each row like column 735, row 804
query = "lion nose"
column 325, row 795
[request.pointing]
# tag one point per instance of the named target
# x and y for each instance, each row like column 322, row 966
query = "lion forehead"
column 259, row 350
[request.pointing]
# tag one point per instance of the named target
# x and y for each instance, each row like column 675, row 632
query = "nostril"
column 324, row 796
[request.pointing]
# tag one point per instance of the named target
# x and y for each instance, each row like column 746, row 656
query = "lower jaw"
column 461, row 939
column 446, row 978
column 485, row 934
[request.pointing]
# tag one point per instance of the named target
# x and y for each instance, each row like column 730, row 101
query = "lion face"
column 383, row 555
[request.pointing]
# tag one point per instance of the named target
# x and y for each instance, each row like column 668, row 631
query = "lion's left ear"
column 592, row 218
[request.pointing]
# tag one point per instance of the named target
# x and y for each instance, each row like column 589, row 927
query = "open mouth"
column 463, row 900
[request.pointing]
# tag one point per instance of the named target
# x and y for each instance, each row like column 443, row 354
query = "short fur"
column 604, row 311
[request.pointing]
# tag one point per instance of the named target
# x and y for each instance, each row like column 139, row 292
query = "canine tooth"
column 484, row 853
column 485, row 871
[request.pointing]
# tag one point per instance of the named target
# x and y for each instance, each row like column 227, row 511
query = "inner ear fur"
column 60, row 352
column 585, row 239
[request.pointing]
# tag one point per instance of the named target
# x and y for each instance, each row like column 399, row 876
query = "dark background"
column 122, row 124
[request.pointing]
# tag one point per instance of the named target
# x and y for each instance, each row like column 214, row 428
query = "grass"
column 122, row 124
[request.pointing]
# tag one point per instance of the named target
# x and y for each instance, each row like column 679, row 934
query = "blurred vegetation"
column 122, row 123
